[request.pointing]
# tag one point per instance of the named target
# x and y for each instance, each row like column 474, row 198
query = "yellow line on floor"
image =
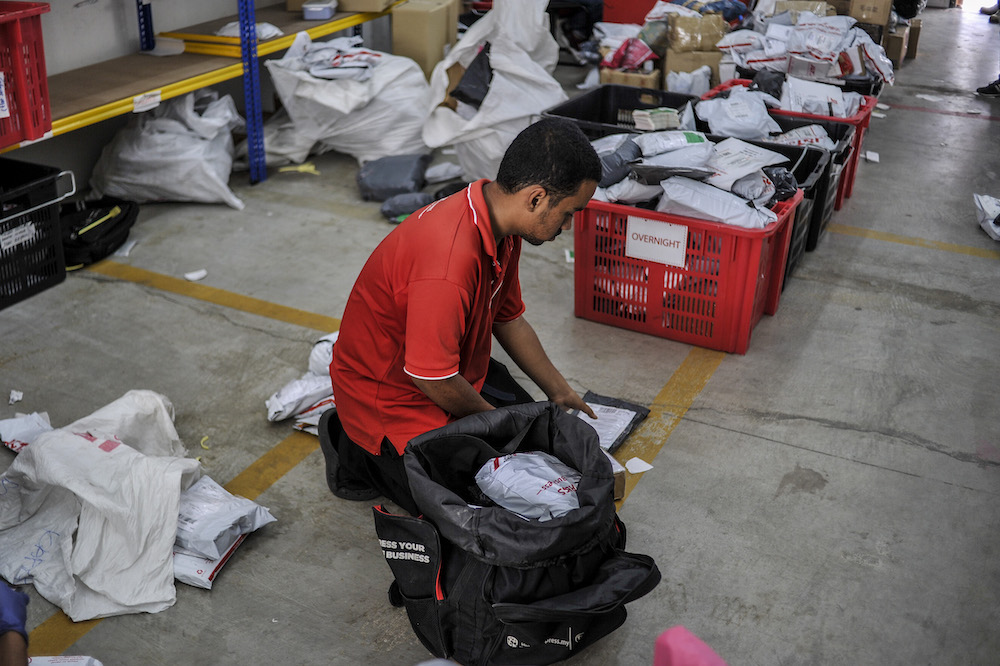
column 58, row 633
column 848, row 230
column 273, row 465
column 217, row 296
column 667, row 410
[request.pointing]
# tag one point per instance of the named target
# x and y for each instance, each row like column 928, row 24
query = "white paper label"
column 145, row 101
column 4, row 108
column 652, row 240
column 17, row 235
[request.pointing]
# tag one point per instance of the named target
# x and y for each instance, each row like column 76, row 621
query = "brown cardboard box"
column 637, row 79
column 688, row 61
column 871, row 11
column 421, row 31
column 296, row 5
column 693, row 33
column 842, row 7
column 894, row 44
column 363, row 5
column 455, row 74
column 911, row 46
column 817, row 7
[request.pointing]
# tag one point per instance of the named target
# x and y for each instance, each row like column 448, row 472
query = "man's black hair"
column 552, row 153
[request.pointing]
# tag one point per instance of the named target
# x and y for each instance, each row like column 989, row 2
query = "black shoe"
column 329, row 434
column 992, row 90
column 990, row 10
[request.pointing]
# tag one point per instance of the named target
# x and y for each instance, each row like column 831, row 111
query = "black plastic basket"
column 31, row 251
column 610, row 107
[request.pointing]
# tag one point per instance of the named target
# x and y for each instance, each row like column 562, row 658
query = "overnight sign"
column 652, row 240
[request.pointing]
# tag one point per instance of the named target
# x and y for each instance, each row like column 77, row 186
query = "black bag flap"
column 412, row 548
column 619, row 580
column 441, row 466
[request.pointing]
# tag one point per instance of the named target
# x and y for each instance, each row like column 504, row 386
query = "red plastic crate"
column 731, row 277
column 860, row 120
column 24, row 99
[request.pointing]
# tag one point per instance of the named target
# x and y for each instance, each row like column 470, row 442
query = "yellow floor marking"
column 58, row 633
column 668, row 409
column 848, row 230
column 273, row 465
column 217, row 296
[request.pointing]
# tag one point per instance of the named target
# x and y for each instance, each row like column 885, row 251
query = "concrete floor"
column 828, row 498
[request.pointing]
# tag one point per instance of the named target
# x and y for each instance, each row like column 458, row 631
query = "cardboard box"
column 895, row 43
column 294, row 5
column 817, row 7
column 693, row 33
column 871, row 11
column 874, row 31
column 911, row 46
column 363, row 5
column 619, row 473
column 455, row 74
column 688, row 61
column 422, row 31
column 842, row 7
column 637, row 79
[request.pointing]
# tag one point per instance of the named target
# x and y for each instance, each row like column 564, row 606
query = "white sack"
column 182, row 150
column 534, row 485
column 743, row 115
column 988, row 212
column 211, row 519
column 284, row 143
column 690, row 198
column 522, row 55
column 92, row 517
column 369, row 119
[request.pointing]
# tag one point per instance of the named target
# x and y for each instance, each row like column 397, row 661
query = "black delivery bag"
column 482, row 585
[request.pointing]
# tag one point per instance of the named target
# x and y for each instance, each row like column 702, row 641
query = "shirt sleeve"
column 436, row 315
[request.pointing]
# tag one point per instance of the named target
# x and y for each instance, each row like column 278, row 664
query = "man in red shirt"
column 415, row 338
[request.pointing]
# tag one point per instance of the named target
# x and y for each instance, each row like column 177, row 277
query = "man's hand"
column 573, row 401
column 518, row 339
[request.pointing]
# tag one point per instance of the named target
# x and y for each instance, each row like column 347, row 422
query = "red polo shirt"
column 423, row 306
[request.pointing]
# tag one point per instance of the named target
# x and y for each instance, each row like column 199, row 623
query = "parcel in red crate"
column 24, row 89
column 694, row 281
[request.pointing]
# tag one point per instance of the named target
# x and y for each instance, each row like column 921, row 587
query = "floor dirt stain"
column 801, row 480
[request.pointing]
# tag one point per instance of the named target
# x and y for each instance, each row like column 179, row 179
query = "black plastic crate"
column 825, row 197
column 610, row 107
column 31, row 252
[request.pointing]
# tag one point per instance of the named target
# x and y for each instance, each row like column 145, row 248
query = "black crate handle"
column 72, row 190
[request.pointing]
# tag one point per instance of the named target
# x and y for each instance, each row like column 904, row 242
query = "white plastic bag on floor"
column 180, row 151
column 90, row 510
column 378, row 117
column 988, row 212
column 283, row 144
column 211, row 519
column 522, row 55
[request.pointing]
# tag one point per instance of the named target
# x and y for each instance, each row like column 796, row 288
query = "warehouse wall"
column 78, row 34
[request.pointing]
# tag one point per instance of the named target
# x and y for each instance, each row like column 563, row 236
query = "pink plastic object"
column 679, row 647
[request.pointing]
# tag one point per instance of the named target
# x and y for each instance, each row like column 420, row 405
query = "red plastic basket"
column 24, row 96
column 860, row 120
column 731, row 277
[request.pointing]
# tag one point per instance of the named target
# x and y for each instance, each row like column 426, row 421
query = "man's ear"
column 535, row 197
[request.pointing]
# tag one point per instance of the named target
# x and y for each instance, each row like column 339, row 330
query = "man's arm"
column 519, row 340
column 454, row 395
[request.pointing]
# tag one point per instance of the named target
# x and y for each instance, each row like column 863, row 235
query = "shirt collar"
column 481, row 218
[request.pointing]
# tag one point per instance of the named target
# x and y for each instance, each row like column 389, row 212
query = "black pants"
column 386, row 473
